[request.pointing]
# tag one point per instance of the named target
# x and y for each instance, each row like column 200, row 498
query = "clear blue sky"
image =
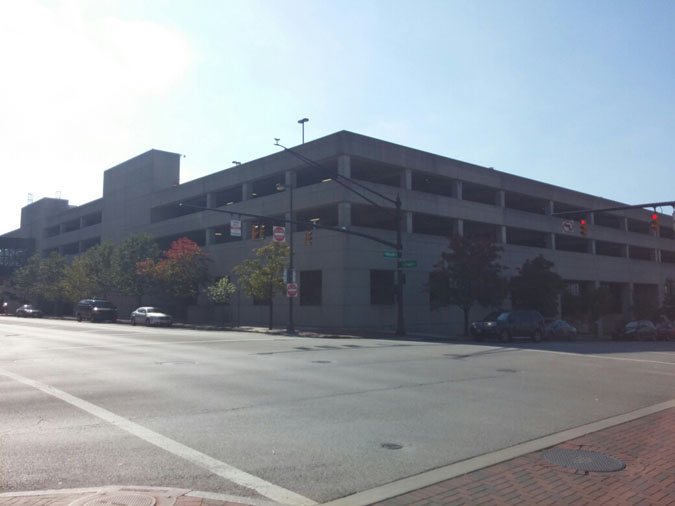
column 574, row 93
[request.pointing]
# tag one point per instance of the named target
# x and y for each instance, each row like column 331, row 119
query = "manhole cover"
column 321, row 361
column 123, row 500
column 582, row 460
column 391, row 446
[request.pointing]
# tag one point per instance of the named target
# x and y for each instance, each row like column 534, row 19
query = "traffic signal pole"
column 400, row 325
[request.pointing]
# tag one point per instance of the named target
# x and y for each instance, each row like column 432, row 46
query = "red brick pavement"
column 645, row 445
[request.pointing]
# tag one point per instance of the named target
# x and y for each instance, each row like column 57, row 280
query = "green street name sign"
column 408, row 264
column 390, row 254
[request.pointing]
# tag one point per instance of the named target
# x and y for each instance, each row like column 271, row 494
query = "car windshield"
column 155, row 310
column 102, row 303
column 503, row 317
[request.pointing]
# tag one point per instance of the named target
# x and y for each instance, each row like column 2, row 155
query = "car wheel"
column 133, row 321
column 79, row 317
column 91, row 318
column 537, row 336
column 504, row 336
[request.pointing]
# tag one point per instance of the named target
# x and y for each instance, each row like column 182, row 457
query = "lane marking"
column 222, row 469
column 575, row 354
column 440, row 474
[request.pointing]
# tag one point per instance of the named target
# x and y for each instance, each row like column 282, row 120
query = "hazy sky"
column 574, row 93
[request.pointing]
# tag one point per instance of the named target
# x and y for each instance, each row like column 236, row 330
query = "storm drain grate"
column 582, row 460
column 123, row 500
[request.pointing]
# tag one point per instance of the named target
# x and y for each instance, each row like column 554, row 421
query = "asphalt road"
column 288, row 418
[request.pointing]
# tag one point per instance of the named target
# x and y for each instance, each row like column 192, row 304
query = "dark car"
column 28, row 311
column 482, row 328
column 665, row 328
column 95, row 310
column 639, row 329
column 523, row 323
column 560, row 328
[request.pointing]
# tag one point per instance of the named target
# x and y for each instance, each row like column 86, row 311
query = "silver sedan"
column 149, row 315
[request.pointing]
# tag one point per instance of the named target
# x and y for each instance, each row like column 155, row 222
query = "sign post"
column 235, row 228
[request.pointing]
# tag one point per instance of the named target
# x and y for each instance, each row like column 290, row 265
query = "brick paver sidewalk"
column 645, row 445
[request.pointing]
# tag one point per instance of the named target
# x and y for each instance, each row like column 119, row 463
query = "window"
column 381, row 287
column 310, row 288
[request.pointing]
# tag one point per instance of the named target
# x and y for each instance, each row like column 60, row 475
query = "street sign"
column 279, row 234
column 235, row 228
column 291, row 290
column 289, row 276
column 568, row 226
column 390, row 254
column 407, row 264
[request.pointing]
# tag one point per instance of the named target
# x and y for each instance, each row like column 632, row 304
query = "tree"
column 468, row 273
column 77, row 282
column 262, row 277
column 537, row 287
column 181, row 272
column 99, row 262
column 129, row 280
column 50, row 280
column 221, row 291
column 26, row 278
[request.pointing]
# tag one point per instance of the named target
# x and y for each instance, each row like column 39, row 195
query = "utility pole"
column 302, row 122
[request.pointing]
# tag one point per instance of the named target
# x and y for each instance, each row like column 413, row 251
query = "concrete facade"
column 440, row 197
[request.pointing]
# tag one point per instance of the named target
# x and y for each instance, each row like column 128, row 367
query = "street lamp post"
column 302, row 122
column 290, row 328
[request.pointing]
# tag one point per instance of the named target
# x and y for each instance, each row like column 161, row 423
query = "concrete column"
column 624, row 224
column 550, row 241
column 500, row 198
column 406, row 179
column 210, row 200
column 591, row 246
column 344, row 166
column 209, row 234
column 626, row 296
column 246, row 190
column 655, row 255
column 501, row 234
column 457, row 190
column 407, row 222
column 344, row 214
column 660, row 294
column 459, row 228
column 626, row 250
column 548, row 208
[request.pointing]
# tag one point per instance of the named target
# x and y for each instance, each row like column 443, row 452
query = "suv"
column 95, row 310
column 520, row 324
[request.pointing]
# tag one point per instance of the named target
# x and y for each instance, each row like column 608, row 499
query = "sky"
column 575, row 93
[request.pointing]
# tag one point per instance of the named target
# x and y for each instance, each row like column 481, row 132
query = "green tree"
column 537, row 287
column 99, row 261
column 262, row 277
column 77, row 282
column 221, row 291
column 468, row 273
column 50, row 280
column 26, row 279
column 128, row 279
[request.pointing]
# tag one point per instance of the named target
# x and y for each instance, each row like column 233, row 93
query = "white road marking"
column 593, row 355
column 262, row 487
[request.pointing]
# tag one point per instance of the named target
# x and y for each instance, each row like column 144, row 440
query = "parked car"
column 481, row 328
column 95, row 310
column 522, row 323
column 560, row 328
column 639, row 329
column 149, row 315
column 28, row 311
column 665, row 329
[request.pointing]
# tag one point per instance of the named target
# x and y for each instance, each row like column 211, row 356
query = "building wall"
column 141, row 195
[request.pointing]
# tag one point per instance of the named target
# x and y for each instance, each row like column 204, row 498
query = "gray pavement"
column 320, row 418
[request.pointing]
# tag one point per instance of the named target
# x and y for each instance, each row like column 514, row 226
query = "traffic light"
column 254, row 232
column 583, row 227
column 654, row 225
column 308, row 238
column 261, row 231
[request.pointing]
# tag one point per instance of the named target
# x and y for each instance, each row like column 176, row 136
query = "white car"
column 148, row 315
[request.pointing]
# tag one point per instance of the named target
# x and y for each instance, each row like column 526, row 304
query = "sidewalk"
column 646, row 446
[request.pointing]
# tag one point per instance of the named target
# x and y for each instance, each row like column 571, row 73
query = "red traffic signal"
column 654, row 225
column 583, row 227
